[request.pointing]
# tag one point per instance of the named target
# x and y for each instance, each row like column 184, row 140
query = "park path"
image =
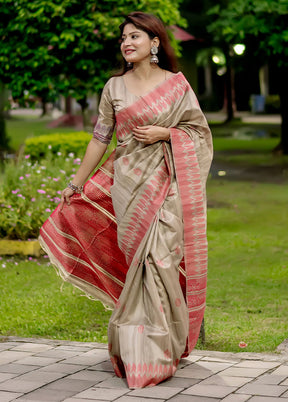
column 50, row 371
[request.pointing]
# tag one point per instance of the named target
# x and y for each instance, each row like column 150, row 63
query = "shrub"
column 32, row 189
column 38, row 147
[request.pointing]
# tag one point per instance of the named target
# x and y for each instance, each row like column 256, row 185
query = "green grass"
column 35, row 302
column 247, row 298
column 238, row 129
column 21, row 127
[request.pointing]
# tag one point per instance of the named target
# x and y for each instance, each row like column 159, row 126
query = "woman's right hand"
column 65, row 197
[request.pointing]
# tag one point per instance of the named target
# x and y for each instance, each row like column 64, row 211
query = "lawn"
column 21, row 127
column 35, row 302
column 247, row 298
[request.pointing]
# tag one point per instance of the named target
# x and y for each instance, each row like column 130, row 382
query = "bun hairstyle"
column 153, row 26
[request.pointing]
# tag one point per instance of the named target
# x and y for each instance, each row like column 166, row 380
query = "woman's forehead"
column 130, row 28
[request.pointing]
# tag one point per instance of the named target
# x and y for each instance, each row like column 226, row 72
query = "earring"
column 154, row 58
column 129, row 64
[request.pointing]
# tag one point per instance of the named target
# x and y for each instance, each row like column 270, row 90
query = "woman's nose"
column 126, row 42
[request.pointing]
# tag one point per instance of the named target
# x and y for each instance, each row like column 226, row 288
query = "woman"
column 135, row 237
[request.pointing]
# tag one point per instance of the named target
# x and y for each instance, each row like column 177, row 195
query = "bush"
column 272, row 104
column 32, row 189
column 39, row 147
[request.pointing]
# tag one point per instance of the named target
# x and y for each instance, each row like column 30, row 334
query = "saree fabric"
column 135, row 238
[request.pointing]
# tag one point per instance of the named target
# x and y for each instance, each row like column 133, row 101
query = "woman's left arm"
column 150, row 134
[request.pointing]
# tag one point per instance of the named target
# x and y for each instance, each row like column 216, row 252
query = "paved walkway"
column 49, row 370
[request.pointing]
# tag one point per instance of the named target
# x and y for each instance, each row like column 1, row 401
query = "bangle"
column 76, row 189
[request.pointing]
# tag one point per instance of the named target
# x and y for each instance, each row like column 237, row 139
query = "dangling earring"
column 154, row 58
column 129, row 64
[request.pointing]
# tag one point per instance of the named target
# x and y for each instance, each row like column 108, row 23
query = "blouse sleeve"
column 104, row 127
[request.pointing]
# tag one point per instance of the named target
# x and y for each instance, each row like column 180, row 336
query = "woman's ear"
column 156, row 41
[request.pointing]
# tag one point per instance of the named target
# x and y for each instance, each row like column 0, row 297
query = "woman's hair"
column 153, row 26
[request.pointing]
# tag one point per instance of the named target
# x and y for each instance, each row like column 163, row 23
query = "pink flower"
column 27, row 156
column 242, row 344
column 48, row 210
column 27, row 174
column 33, row 199
column 43, row 185
column 59, row 192
column 56, row 178
column 15, row 191
column 21, row 178
column 41, row 191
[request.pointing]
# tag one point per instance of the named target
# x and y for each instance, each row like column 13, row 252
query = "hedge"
column 39, row 147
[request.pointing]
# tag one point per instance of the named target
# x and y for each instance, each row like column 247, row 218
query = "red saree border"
column 195, row 240
column 151, row 104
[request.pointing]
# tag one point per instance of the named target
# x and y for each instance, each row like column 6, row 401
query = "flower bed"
column 31, row 189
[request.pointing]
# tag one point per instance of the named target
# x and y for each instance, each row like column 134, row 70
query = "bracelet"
column 76, row 189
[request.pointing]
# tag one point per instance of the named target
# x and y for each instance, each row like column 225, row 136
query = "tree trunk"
column 4, row 141
column 84, row 107
column 44, row 108
column 283, row 93
column 229, row 89
column 68, row 105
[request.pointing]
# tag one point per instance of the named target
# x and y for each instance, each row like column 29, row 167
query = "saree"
column 135, row 238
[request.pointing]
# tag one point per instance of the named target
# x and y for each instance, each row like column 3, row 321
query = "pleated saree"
column 135, row 238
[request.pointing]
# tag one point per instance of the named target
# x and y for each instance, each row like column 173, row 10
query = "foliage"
column 37, row 147
column 32, row 190
column 266, row 20
column 266, row 24
column 30, row 193
column 21, row 127
column 66, row 46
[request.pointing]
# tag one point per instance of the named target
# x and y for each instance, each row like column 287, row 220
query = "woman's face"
column 136, row 44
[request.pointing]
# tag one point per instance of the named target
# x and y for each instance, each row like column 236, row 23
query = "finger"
column 61, row 205
column 141, row 129
column 67, row 199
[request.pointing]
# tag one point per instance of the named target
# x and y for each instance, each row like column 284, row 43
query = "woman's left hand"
column 150, row 134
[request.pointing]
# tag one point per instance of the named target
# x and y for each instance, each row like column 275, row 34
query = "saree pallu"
column 136, row 237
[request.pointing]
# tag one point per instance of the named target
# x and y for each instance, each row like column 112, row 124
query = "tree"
column 66, row 46
column 4, row 141
column 267, row 22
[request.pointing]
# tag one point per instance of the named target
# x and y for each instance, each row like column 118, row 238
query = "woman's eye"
column 134, row 36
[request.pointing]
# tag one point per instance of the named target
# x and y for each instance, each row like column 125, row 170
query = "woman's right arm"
column 94, row 152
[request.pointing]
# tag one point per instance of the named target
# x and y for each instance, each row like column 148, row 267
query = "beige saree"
column 136, row 237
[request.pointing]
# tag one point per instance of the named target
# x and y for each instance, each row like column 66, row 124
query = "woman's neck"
column 145, row 71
